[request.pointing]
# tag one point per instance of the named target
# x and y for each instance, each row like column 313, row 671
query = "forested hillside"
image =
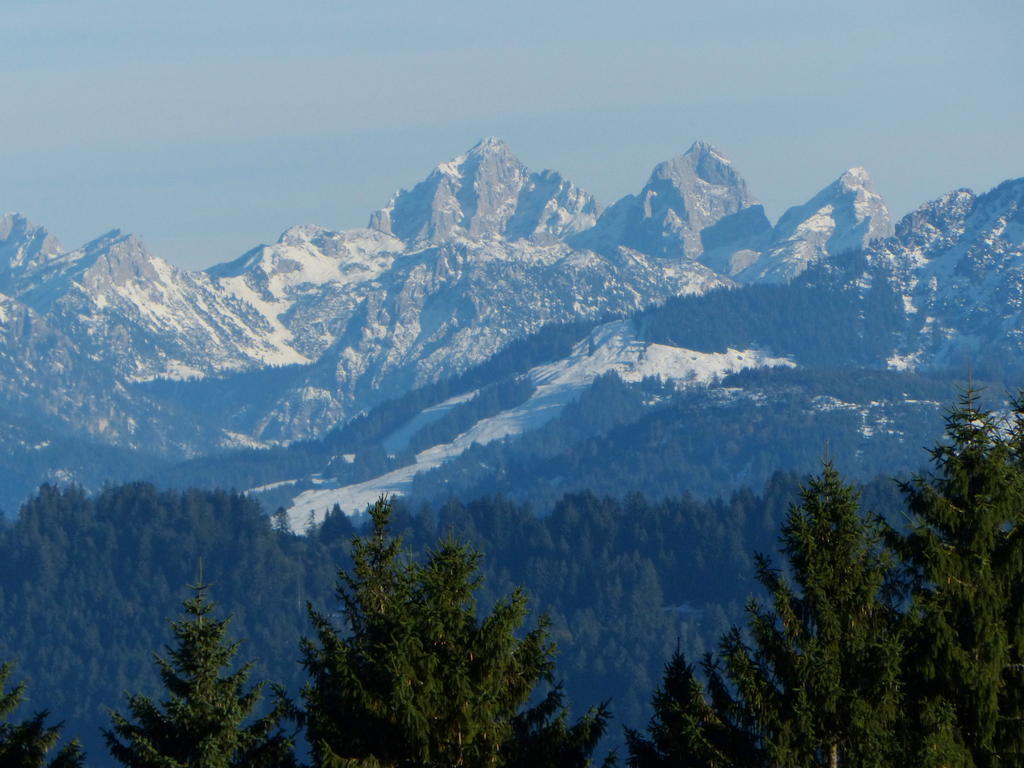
column 88, row 582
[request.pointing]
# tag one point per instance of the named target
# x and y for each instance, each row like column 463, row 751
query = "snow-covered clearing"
column 611, row 347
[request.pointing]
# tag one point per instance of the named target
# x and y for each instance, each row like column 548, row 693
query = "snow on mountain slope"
column 146, row 317
column 480, row 253
column 45, row 379
column 847, row 215
column 308, row 285
column 959, row 262
column 612, row 347
column 447, row 275
column 23, row 246
column 445, row 308
column 484, row 193
column 476, row 260
column 682, row 197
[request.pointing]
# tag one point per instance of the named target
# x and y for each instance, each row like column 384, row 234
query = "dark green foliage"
column 416, row 679
column 821, row 318
column 542, row 736
column 966, row 558
column 207, row 719
column 26, row 744
column 815, row 681
column 86, row 583
column 621, row 579
column 687, row 730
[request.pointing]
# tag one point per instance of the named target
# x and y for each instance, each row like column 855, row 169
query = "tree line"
column 404, row 673
column 877, row 646
column 87, row 582
column 875, row 643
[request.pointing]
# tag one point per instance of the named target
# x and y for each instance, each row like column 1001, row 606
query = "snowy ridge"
column 23, row 246
column 308, row 284
column 442, row 309
column 613, row 347
column 480, row 253
column 845, row 216
column 959, row 263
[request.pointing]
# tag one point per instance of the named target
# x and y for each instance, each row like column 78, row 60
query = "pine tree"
column 26, row 744
column 817, row 684
column 202, row 722
column 418, row 679
column 695, row 726
column 542, row 736
column 966, row 559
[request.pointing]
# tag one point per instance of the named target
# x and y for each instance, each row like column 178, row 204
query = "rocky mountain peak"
column 15, row 228
column 938, row 222
column 478, row 194
column 844, row 216
column 855, row 178
column 683, row 196
column 995, row 218
column 302, row 233
column 492, row 146
column 111, row 259
column 702, row 162
column 24, row 247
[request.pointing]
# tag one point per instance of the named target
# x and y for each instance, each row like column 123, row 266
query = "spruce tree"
column 814, row 680
column 206, row 721
column 966, row 560
column 414, row 678
column 26, row 744
column 542, row 736
column 695, row 726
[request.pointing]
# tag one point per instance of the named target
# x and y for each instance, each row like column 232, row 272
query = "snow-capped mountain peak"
column 485, row 193
column 683, row 196
column 937, row 220
column 855, row 178
column 478, row 254
column 701, row 162
column 24, row 248
column 844, row 216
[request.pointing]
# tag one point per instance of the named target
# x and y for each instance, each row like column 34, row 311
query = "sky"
column 209, row 127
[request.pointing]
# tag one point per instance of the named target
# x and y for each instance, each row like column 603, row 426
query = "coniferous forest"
column 809, row 623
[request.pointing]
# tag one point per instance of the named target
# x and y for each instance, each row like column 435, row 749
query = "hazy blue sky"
column 207, row 127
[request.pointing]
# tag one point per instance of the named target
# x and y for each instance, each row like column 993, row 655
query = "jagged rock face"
column 440, row 310
column 309, row 284
column 845, row 216
column 23, row 246
column 146, row 318
column 937, row 224
column 959, row 262
column 448, row 273
column 46, row 379
column 486, row 193
column 481, row 252
column 683, row 197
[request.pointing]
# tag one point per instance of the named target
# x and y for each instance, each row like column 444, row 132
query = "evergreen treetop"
column 814, row 679
column 965, row 556
column 414, row 678
column 206, row 721
column 26, row 744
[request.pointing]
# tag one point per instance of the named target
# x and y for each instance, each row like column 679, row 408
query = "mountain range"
column 109, row 348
